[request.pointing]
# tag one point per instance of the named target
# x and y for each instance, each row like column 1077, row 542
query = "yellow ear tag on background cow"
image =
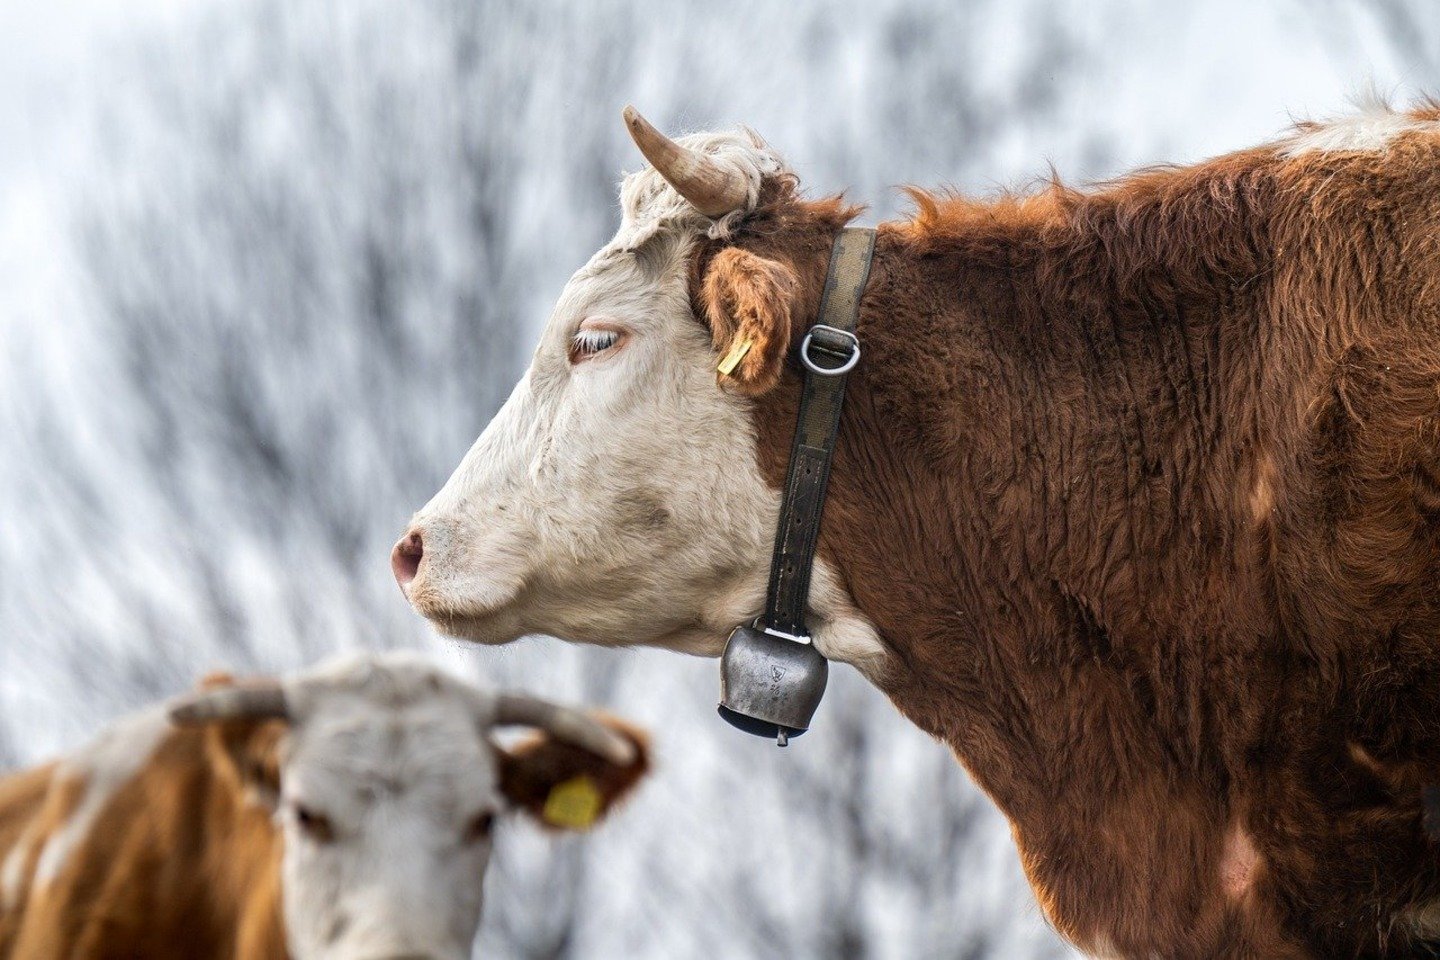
column 574, row 804
column 732, row 359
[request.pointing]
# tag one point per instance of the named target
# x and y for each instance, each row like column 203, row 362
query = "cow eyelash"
column 588, row 342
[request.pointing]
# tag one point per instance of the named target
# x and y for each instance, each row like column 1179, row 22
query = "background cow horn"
column 231, row 703
column 571, row 726
column 712, row 187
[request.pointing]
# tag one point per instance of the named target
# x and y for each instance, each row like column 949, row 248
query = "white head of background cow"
column 385, row 784
column 615, row 498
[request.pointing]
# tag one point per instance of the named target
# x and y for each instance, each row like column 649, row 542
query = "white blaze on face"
column 616, row 498
column 388, row 788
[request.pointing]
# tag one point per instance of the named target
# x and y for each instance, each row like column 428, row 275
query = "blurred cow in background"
column 345, row 812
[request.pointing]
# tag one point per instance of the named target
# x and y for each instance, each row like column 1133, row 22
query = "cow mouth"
column 491, row 628
column 486, row 622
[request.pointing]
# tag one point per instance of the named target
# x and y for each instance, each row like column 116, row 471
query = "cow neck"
column 828, row 352
column 771, row 675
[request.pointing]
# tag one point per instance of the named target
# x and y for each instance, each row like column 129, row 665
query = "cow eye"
column 479, row 827
column 315, row 825
column 589, row 342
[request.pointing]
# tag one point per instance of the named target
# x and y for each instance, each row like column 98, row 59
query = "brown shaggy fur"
column 1141, row 487
column 177, row 865
column 747, row 299
column 184, row 860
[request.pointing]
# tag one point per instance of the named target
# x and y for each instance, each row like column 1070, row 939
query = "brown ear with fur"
column 565, row 787
column 748, row 303
column 245, row 751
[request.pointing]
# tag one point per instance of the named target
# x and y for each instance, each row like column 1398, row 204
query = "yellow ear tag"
column 574, row 804
column 732, row 359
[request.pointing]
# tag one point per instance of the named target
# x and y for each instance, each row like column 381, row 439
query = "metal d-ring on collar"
column 771, row 676
column 829, row 332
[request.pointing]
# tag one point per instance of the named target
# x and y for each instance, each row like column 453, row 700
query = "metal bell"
column 770, row 684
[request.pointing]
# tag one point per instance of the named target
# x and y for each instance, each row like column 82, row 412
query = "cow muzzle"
column 405, row 558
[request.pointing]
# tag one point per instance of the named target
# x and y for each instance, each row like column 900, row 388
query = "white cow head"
column 385, row 783
column 616, row 497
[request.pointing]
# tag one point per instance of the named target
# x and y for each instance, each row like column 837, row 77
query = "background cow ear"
column 748, row 301
column 566, row 787
column 245, row 752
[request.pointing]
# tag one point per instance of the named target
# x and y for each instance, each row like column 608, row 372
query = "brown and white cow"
column 344, row 813
column 1136, row 506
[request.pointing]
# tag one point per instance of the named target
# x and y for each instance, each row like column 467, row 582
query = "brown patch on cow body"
column 33, row 805
column 1136, row 486
column 20, row 798
column 176, row 865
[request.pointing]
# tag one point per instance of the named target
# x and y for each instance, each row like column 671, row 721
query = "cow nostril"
column 405, row 558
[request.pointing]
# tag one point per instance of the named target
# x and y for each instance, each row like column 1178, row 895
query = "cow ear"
column 245, row 752
column 748, row 302
column 566, row 787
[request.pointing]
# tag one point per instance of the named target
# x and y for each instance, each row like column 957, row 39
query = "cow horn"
column 714, row 188
column 257, row 702
column 571, row 726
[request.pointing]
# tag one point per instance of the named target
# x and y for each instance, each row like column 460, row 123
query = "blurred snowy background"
column 267, row 267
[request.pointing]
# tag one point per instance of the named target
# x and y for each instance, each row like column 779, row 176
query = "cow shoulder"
column 127, row 828
column 29, row 809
